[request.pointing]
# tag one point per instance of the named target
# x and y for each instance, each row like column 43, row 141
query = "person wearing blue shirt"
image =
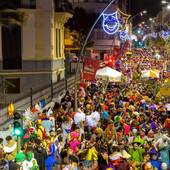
column 156, row 163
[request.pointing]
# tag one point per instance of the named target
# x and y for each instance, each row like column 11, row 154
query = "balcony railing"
column 63, row 6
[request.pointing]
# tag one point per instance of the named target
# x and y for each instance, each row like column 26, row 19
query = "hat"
column 164, row 165
column 74, row 135
column 154, row 150
column 94, row 128
column 125, row 155
column 73, row 158
column 143, row 130
column 20, row 157
column 105, row 115
column 1, row 140
column 136, row 140
column 134, row 130
column 98, row 131
column 117, row 118
column 109, row 167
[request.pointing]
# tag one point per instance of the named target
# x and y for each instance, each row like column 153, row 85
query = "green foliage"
column 80, row 25
column 136, row 77
column 8, row 13
column 151, row 87
column 150, row 42
column 160, row 42
column 6, row 84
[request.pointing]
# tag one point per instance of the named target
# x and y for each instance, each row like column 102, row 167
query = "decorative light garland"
column 123, row 19
column 164, row 34
column 123, row 35
column 110, row 23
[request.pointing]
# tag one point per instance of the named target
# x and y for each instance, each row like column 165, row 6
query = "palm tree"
column 9, row 14
column 6, row 84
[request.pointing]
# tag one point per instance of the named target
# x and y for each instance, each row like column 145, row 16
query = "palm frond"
column 9, row 14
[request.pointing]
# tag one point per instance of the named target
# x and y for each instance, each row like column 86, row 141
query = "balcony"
column 28, row 4
column 63, row 6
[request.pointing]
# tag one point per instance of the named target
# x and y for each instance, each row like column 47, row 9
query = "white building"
column 32, row 54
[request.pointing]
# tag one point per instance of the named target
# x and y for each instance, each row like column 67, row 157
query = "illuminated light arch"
column 110, row 23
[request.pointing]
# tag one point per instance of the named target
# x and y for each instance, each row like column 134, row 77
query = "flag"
column 164, row 66
column 116, row 51
column 90, row 68
column 124, row 47
column 10, row 109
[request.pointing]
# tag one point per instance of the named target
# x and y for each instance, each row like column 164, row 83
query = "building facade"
column 32, row 54
column 102, row 40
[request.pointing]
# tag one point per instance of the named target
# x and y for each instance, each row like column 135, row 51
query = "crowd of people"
column 111, row 129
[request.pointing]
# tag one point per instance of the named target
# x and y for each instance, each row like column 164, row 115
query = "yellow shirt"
column 91, row 153
column 40, row 131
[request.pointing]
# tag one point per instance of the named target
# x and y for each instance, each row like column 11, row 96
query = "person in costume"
column 30, row 163
column 66, row 127
column 50, row 161
column 80, row 155
column 91, row 158
column 103, row 158
column 73, row 142
column 124, row 160
column 3, row 152
column 154, row 159
column 146, row 158
column 136, row 152
column 164, row 149
column 17, row 164
column 11, row 143
column 47, row 124
column 40, row 130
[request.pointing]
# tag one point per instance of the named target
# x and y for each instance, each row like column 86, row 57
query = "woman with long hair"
column 66, row 126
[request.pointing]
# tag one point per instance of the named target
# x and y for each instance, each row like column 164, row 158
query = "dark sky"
column 151, row 6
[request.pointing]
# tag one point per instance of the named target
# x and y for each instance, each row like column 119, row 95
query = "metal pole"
column 129, row 6
column 18, row 144
column 78, row 62
column 51, row 90
column 31, row 97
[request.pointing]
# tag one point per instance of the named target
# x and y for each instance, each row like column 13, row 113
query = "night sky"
column 151, row 6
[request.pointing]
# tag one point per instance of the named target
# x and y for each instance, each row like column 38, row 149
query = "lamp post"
column 78, row 62
column 140, row 13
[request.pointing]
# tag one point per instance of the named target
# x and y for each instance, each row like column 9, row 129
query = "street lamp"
column 150, row 19
column 140, row 13
column 81, row 53
column 165, row 2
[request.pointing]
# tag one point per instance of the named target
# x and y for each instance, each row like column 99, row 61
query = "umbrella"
column 150, row 73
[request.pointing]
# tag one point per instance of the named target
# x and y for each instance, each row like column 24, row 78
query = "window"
column 58, row 77
column 16, row 82
column 11, row 47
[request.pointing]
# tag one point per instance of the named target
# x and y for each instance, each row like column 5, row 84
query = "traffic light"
column 17, row 124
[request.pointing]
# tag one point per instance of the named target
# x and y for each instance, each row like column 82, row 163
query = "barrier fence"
column 52, row 90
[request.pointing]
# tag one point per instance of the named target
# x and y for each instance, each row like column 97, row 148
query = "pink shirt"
column 73, row 145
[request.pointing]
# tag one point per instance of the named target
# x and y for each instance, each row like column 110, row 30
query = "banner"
column 90, row 68
column 124, row 47
column 115, row 52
